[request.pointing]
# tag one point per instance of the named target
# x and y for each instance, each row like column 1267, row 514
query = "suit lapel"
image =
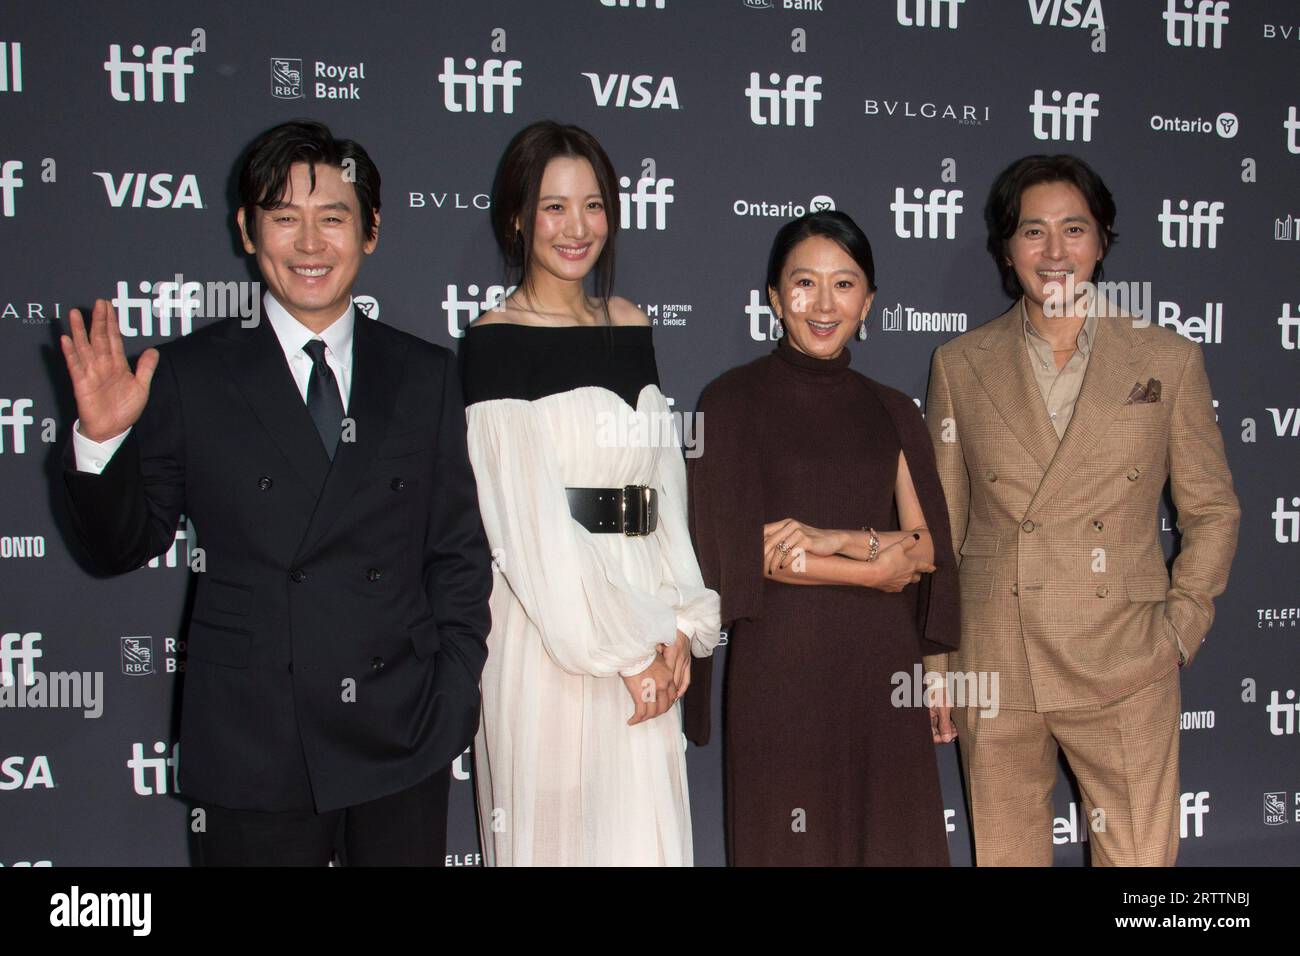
column 1118, row 359
column 376, row 371
column 1002, row 365
column 256, row 363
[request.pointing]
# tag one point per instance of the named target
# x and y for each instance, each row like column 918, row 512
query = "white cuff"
column 638, row 668
column 93, row 456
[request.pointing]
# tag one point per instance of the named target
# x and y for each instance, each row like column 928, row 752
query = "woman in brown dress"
column 828, row 760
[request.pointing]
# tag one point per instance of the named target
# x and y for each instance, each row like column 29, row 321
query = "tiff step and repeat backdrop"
column 120, row 125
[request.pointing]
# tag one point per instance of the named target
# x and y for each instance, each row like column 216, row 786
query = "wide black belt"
column 631, row 510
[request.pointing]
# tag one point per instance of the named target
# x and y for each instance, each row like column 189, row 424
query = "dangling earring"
column 862, row 331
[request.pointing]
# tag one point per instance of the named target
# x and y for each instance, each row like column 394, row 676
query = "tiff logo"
column 13, row 414
column 1286, row 521
column 142, row 768
column 765, row 102
column 763, row 326
column 928, row 13
column 11, row 67
column 471, row 308
column 10, row 183
column 19, row 651
column 638, row 4
column 1079, row 107
column 1194, row 805
column 649, row 192
column 1282, row 714
column 502, row 75
column 911, row 218
column 1175, row 227
column 164, row 61
column 1290, row 328
column 1209, row 15
column 1292, row 126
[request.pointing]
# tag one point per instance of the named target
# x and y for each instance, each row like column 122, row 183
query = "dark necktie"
column 323, row 399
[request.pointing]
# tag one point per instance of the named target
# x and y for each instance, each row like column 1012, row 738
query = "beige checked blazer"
column 1064, row 589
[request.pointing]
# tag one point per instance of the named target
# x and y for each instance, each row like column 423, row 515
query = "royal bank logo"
column 1195, row 224
column 1225, row 125
column 929, row 13
column 798, row 6
column 11, row 67
column 905, row 318
column 10, row 183
column 164, row 190
column 1285, row 229
column 1275, row 808
column 480, row 89
column 1085, row 14
column 1292, row 126
column 460, row 312
column 167, row 67
column 137, row 656
column 927, row 217
column 963, row 114
column 789, row 102
column 638, row 92
column 1068, row 120
column 1195, row 22
column 782, row 210
column 286, row 78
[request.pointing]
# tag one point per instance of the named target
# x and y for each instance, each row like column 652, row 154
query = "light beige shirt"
column 1059, row 388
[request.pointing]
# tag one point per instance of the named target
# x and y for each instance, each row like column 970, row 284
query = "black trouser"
column 407, row 828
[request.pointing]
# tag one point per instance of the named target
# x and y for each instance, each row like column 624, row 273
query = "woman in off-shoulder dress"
column 598, row 604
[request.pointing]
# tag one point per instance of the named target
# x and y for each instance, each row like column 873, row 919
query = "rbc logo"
column 159, row 184
column 800, row 95
column 10, row 183
column 912, row 218
column 13, row 777
column 922, row 13
column 1183, row 228
column 1210, row 15
column 495, row 75
column 144, row 768
column 1080, row 107
column 164, row 61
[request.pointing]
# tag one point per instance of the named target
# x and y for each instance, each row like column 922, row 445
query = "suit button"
column 297, row 575
column 264, row 483
column 1015, row 589
column 1097, row 526
column 991, row 476
column 1028, row 526
column 397, row 484
column 377, row 663
column 1103, row 591
column 373, row 574
column 1133, row 474
column 291, row 667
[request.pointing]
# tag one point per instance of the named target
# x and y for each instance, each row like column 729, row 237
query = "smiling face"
column 310, row 247
column 822, row 298
column 1056, row 237
column 570, row 227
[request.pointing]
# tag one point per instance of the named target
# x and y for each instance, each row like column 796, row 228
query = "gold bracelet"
column 873, row 545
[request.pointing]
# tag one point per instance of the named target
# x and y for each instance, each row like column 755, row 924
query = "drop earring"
column 862, row 331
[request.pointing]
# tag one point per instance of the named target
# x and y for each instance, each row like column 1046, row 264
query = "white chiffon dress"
column 561, row 778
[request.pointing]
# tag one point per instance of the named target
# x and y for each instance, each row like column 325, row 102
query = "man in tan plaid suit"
column 1055, row 427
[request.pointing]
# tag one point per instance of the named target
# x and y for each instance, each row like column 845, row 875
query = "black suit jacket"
column 339, row 630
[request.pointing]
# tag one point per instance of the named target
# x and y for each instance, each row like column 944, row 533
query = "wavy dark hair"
column 518, row 183
column 265, row 169
column 837, row 226
column 1002, row 211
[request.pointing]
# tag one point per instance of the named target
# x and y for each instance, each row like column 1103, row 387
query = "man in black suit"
column 339, row 630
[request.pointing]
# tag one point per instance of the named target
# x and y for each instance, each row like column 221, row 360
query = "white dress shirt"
column 93, row 456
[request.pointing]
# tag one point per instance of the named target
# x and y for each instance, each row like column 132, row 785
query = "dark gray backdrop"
column 903, row 103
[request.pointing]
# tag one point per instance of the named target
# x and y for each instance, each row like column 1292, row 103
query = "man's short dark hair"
column 1002, row 211
column 265, row 170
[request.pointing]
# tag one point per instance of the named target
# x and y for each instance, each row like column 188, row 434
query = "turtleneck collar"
column 810, row 366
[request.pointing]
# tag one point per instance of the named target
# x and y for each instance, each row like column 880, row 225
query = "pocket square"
column 1144, row 394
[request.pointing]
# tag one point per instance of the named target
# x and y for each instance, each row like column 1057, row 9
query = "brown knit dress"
column 821, row 767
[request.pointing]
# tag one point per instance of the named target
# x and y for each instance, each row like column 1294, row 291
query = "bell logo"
column 800, row 95
column 149, row 774
column 160, row 189
column 1196, row 806
column 1209, row 17
column 14, row 777
column 928, row 13
column 164, row 62
column 1079, row 107
column 646, row 92
column 478, row 90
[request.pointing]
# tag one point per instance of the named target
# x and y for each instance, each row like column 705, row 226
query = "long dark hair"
column 837, row 226
column 1002, row 211
column 518, row 183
